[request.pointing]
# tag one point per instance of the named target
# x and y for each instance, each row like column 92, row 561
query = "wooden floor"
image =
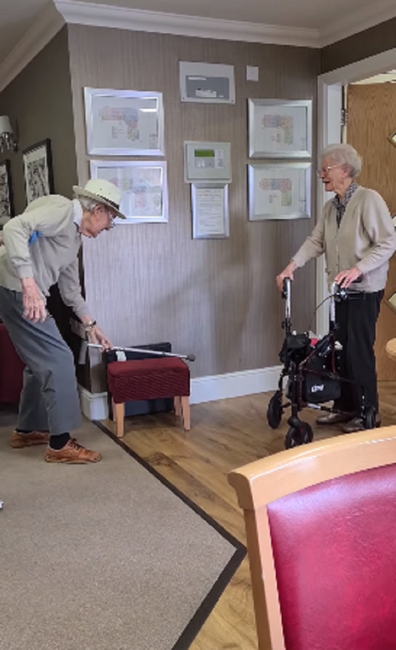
column 224, row 435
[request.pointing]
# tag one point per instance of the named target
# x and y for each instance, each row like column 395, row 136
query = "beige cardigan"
column 366, row 239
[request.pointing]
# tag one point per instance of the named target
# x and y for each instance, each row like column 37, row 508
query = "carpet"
column 102, row 557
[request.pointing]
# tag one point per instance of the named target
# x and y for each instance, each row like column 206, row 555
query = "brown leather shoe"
column 333, row 418
column 357, row 424
column 72, row 453
column 21, row 440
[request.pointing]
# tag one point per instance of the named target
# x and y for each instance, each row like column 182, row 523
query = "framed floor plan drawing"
column 124, row 122
column 279, row 191
column 143, row 185
column 280, row 128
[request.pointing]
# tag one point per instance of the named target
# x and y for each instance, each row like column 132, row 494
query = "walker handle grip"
column 286, row 288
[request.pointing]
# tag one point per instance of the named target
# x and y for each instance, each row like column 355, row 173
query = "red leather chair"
column 11, row 370
column 321, row 536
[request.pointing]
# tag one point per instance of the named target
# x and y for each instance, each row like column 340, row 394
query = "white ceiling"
column 314, row 14
column 325, row 18
column 384, row 78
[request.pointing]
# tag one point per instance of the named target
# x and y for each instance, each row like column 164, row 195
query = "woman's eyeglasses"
column 324, row 170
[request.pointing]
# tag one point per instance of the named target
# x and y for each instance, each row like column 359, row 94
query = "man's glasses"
column 111, row 218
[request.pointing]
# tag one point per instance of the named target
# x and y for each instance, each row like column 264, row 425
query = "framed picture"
column 6, row 198
column 280, row 128
column 124, row 122
column 143, row 185
column 210, row 214
column 279, row 190
column 37, row 167
column 207, row 83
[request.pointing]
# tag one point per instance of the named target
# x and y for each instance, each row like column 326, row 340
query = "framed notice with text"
column 279, row 191
column 280, row 128
column 124, row 122
column 210, row 210
column 143, row 185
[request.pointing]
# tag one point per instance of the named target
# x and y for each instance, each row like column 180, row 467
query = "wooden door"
column 371, row 120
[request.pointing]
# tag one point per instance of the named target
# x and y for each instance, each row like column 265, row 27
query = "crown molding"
column 56, row 13
column 350, row 24
column 48, row 23
column 84, row 13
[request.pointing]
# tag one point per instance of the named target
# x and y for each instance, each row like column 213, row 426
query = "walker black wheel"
column 301, row 434
column 370, row 418
column 275, row 410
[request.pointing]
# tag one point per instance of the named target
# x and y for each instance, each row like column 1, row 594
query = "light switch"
column 252, row 73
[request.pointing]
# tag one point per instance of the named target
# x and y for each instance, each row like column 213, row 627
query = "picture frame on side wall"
column 144, row 188
column 279, row 190
column 37, row 170
column 280, row 128
column 124, row 122
column 6, row 196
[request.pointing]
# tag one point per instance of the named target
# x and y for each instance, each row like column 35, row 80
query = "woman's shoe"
column 334, row 418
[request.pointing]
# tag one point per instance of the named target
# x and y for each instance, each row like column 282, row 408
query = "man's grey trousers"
column 49, row 399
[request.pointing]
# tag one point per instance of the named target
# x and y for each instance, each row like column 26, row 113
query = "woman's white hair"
column 346, row 155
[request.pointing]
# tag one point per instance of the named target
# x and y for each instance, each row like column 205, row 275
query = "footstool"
column 145, row 379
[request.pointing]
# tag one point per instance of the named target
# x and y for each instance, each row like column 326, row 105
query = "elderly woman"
column 357, row 237
column 41, row 249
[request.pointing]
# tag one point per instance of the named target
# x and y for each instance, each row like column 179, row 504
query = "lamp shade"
column 5, row 125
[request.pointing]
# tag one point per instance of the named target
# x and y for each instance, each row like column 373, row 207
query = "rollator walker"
column 312, row 368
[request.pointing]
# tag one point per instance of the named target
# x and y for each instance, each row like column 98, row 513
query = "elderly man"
column 41, row 249
column 357, row 236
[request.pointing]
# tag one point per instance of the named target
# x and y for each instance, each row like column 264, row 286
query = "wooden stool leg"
column 185, row 403
column 113, row 408
column 119, row 410
column 177, row 406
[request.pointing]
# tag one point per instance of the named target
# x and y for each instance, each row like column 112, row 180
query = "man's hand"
column 96, row 336
column 34, row 305
column 288, row 272
column 345, row 278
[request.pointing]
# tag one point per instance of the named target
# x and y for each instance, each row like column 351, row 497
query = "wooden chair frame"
column 274, row 477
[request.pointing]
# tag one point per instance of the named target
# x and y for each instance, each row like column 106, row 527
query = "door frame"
column 329, row 131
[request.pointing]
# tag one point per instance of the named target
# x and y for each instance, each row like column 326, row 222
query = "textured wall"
column 152, row 282
column 360, row 46
column 40, row 100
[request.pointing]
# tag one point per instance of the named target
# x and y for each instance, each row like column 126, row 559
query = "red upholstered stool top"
column 145, row 379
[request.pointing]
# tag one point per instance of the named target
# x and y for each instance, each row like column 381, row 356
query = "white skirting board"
column 203, row 389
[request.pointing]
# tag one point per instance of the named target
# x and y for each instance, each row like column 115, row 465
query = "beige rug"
column 102, row 557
